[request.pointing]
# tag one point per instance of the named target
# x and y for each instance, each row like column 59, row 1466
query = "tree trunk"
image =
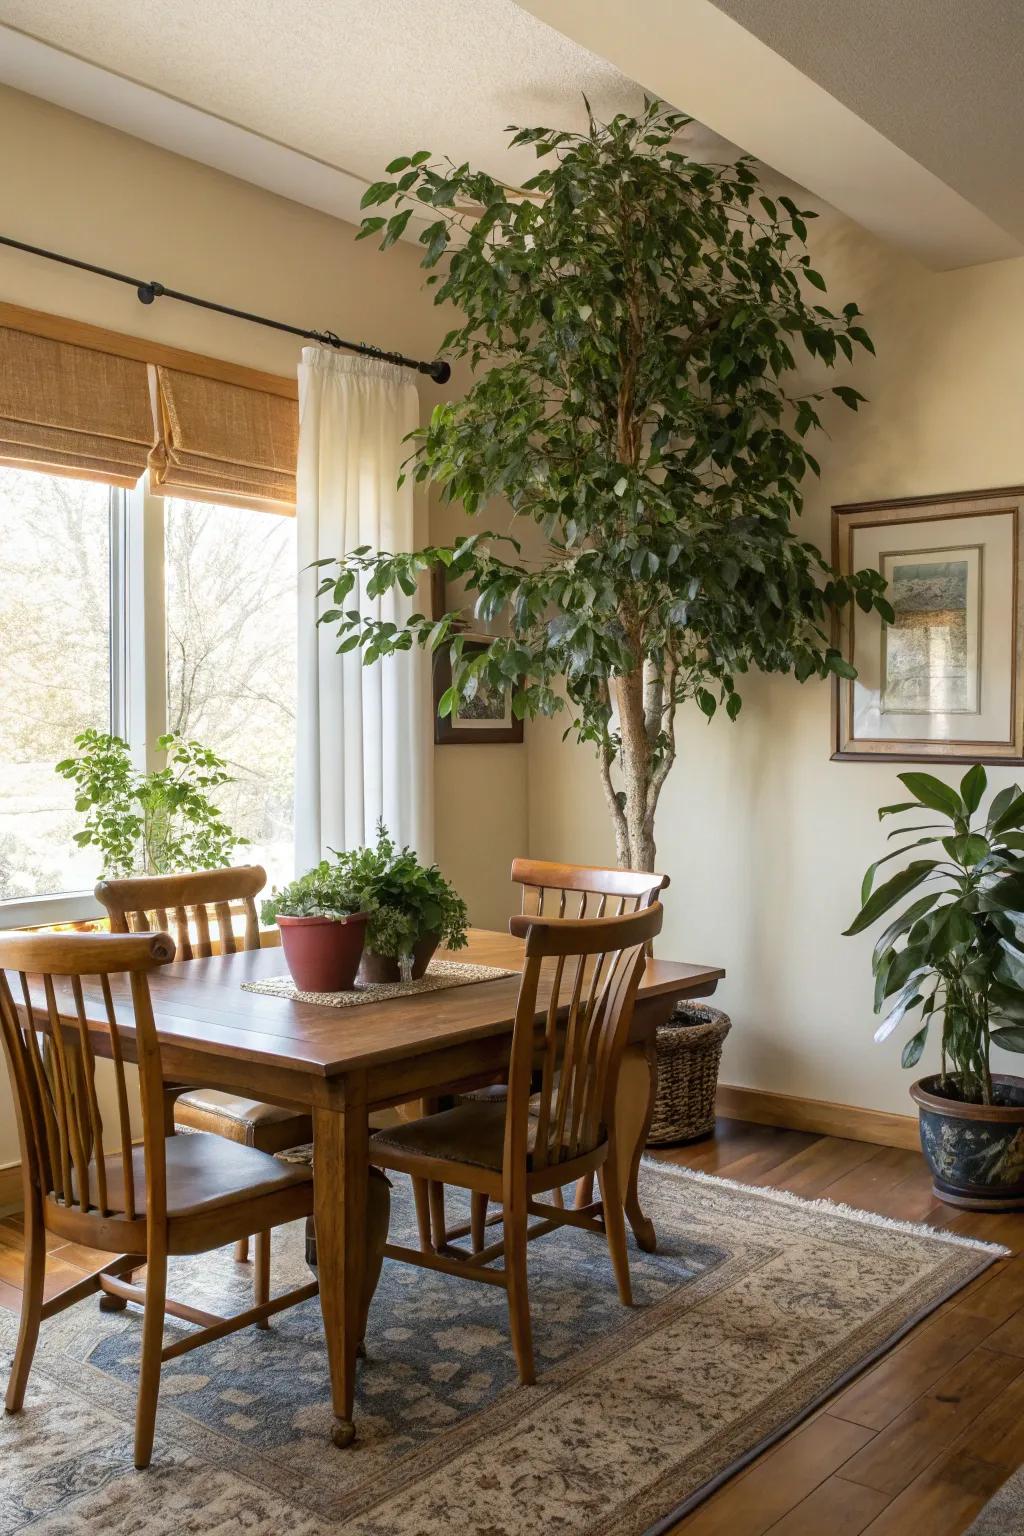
column 635, row 760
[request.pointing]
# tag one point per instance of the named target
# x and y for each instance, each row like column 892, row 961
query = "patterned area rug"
column 754, row 1308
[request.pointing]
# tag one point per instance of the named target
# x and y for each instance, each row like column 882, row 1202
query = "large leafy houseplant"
column 154, row 823
column 631, row 316
column 954, row 960
column 954, row 956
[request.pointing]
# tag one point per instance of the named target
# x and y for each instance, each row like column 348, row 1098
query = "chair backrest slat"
column 187, row 904
column 580, row 977
column 52, row 1050
column 583, row 890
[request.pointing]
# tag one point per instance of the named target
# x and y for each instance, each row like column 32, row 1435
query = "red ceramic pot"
column 380, row 968
column 323, row 953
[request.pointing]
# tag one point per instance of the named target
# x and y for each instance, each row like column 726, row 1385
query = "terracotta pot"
column 975, row 1151
column 382, row 968
column 323, row 953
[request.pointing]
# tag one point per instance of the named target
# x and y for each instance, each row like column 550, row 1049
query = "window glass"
column 231, row 666
column 54, row 670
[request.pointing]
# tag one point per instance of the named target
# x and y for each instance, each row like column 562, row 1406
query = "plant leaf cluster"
column 631, row 316
column 150, row 823
column 954, row 956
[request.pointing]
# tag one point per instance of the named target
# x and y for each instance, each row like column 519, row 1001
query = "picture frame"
column 942, row 683
column 488, row 720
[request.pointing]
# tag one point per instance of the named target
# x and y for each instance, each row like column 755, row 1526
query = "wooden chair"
column 583, row 975
column 554, row 890
column 171, row 1195
column 188, row 904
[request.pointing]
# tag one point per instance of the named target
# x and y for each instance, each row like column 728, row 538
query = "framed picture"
column 942, row 682
column 486, row 717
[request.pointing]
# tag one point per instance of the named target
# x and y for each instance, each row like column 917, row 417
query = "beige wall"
column 75, row 186
column 765, row 839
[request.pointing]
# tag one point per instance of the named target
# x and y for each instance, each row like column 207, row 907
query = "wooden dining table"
column 342, row 1064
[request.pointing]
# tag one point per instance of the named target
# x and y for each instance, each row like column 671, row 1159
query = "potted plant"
column 155, row 823
column 633, row 317
column 323, row 928
column 955, row 954
column 412, row 909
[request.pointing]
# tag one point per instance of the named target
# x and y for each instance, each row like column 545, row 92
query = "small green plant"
column 324, row 891
column 955, row 953
column 150, row 823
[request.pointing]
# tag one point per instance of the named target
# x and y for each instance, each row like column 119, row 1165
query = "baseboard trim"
column 11, row 1198
column 794, row 1114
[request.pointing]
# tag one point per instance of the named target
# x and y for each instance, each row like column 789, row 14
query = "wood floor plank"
column 932, row 1424
column 811, row 1171
column 906, row 1373
column 836, row 1507
column 894, row 1183
column 752, row 1503
column 942, row 1501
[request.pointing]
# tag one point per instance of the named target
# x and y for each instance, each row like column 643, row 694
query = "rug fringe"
column 833, row 1207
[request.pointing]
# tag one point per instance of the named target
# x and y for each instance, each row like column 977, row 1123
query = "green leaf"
column 914, row 1048
column 932, row 792
column 973, row 786
column 1010, row 1037
column 889, row 893
column 869, row 878
column 967, row 850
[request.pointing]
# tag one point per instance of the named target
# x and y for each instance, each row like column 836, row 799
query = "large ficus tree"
column 630, row 316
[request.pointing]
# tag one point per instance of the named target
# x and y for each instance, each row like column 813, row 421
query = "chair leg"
column 518, row 1294
column 152, row 1345
column 438, row 1219
column 31, row 1309
column 419, row 1194
column 242, row 1251
column 477, row 1220
column 584, row 1191
column 615, row 1226
column 261, row 1274
column 558, row 1199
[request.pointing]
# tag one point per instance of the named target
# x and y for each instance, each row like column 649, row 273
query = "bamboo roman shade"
column 71, row 410
column 220, row 442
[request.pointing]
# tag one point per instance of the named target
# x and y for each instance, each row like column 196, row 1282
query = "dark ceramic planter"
column 323, row 953
column 975, row 1151
column 383, row 968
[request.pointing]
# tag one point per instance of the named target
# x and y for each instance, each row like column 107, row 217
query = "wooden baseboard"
column 10, row 1189
column 847, row 1120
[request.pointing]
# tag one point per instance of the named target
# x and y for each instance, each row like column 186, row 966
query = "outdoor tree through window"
column 230, row 580
column 55, row 665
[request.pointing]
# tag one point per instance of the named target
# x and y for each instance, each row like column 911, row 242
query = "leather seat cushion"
column 228, row 1106
column 204, row 1173
column 472, row 1133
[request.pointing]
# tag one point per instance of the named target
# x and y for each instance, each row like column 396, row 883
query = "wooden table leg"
column 634, row 1106
column 340, row 1174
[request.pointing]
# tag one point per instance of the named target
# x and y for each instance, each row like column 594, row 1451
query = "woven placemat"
column 440, row 974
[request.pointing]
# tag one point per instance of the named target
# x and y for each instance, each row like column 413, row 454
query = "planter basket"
column 689, row 1051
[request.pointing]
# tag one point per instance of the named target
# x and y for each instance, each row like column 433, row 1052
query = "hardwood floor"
column 919, row 1442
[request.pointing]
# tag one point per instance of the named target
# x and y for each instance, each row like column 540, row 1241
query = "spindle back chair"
column 584, row 890
column 197, row 905
column 579, row 980
column 86, row 1180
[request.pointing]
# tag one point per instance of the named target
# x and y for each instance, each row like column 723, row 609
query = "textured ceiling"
column 940, row 78
column 350, row 82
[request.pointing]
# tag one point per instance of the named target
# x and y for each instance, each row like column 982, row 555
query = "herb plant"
column 632, row 315
column 150, row 823
column 955, row 954
column 324, row 891
column 407, row 901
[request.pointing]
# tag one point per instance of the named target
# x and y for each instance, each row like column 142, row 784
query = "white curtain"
column 364, row 733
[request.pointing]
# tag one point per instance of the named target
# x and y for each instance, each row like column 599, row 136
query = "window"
column 55, row 668
column 134, row 614
column 230, row 581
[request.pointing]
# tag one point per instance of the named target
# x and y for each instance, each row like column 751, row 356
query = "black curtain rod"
column 438, row 370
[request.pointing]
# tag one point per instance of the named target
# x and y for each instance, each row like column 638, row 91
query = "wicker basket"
column 689, row 1051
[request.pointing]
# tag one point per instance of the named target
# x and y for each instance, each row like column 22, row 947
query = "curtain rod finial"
column 440, row 371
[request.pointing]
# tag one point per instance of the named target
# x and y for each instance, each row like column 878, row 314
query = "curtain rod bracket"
column 149, row 291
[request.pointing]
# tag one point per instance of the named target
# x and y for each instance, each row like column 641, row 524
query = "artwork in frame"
column 485, row 718
column 941, row 683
